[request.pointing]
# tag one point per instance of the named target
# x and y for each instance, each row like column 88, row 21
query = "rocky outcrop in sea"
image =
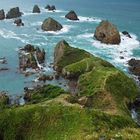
column 107, row 33
column 71, row 15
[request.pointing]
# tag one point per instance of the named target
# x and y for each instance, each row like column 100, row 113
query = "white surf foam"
column 65, row 29
column 11, row 35
column 124, row 49
column 89, row 19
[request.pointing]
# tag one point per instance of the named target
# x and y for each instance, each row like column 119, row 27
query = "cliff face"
column 98, row 111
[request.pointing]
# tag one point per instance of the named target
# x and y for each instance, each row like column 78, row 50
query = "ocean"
column 125, row 14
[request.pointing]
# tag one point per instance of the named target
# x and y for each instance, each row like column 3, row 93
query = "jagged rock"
column 13, row 13
column 50, row 24
column 134, row 66
column 31, row 57
column 72, row 16
column 50, row 8
column 107, row 33
column 40, row 55
column 47, row 7
column 44, row 78
column 4, row 98
column 2, row 14
column 126, row 34
column 36, row 9
column 19, row 22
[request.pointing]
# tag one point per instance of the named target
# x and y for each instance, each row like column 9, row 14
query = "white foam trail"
column 84, row 19
column 89, row 19
column 11, row 35
column 87, row 36
column 65, row 29
column 36, row 23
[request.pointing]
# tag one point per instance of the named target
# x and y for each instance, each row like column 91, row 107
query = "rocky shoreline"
column 102, row 95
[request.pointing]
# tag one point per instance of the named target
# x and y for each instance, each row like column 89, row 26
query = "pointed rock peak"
column 36, row 9
column 72, row 15
column 50, row 24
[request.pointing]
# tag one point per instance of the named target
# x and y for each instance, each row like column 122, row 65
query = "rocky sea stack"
column 107, row 33
column 50, row 24
column 19, row 22
column 2, row 14
column 36, row 9
column 13, row 13
column 71, row 15
column 50, row 8
column 31, row 57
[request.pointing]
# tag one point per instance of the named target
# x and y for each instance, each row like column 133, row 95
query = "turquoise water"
column 124, row 14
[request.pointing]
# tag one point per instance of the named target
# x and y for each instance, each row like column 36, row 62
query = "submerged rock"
column 72, row 16
column 50, row 24
column 2, row 14
column 134, row 66
column 126, row 34
column 107, row 33
column 19, row 22
column 36, row 9
column 3, row 60
column 13, row 13
column 31, row 57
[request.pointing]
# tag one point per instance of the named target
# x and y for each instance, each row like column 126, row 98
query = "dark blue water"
column 125, row 14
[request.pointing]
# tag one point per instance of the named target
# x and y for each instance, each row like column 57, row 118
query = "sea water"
column 123, row 13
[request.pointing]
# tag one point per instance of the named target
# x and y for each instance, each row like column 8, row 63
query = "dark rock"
column 134, row 66
column 72, row 16
column 36, row 9
column 3, row 60
column 44, row 78
column 19, row 22
column 126, row 34
column 107, row 33
column 4, row 98
column 29, row 48
column 2, row 14
column 56, row 76
column 40, row 55
column 4, row 69
column 50, row 24
column 121, row 57
column 13, row 13
column 50, row 8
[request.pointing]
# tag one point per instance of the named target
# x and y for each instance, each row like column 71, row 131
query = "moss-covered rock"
column 46, row 92
column 64, row 55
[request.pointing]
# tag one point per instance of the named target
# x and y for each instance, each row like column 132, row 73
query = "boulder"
column 36, row 9
column 107, row 33
column 85, row 101
column 134, row 66
column 71, row 16
column 13, row 13
column 19, row 22
column 40, row 55
column 2, row 14
column 126, row 34
column 50, row 24
column 3, row 60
